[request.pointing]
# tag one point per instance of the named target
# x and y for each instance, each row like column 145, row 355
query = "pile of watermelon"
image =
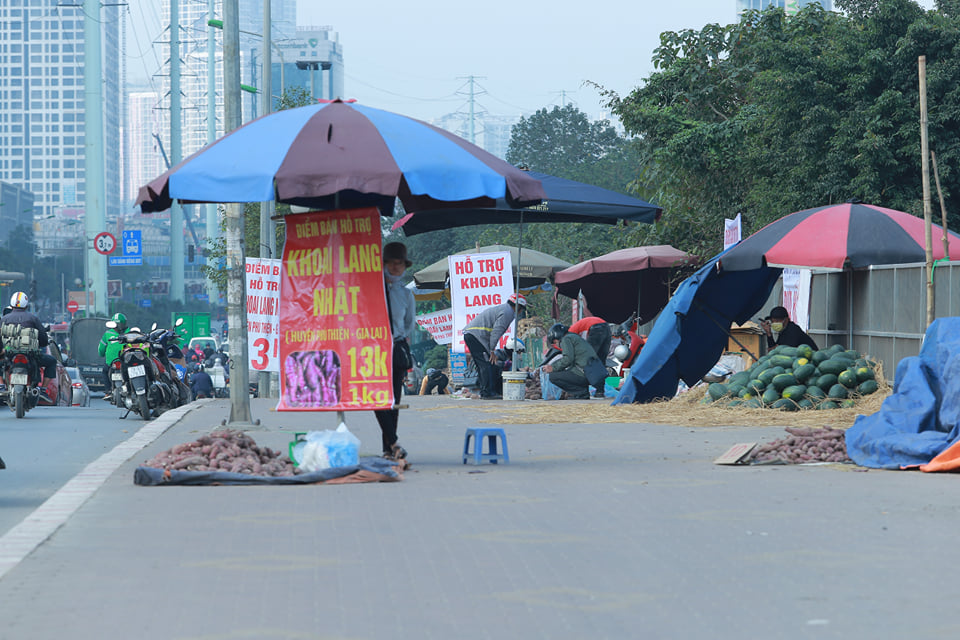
column 792, row 378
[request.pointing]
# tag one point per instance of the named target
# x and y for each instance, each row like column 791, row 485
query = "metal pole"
column 236, row 309
column 266, row 208
column 515, row 361
column 212, row 225
column 93, row 174
column 176, row 153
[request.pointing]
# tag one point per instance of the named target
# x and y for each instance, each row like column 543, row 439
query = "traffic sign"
column 105, row 243
column 132, row 246
column 73, row 306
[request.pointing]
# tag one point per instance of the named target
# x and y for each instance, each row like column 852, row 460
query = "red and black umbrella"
column 848, row 235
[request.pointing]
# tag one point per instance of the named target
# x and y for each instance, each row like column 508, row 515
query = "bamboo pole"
column 925, row 171
column 943, row 208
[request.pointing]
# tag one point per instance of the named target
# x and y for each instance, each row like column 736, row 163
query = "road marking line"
column 32, row 531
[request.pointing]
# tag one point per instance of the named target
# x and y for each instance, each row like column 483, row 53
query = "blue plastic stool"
column 478, row 435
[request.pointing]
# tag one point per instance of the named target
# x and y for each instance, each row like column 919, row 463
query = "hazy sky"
column 414, row 58
column 525, row 54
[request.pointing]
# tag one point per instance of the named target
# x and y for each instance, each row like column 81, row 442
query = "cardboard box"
column 751, row 336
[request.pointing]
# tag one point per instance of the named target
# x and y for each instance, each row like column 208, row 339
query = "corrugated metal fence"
column 880, row 311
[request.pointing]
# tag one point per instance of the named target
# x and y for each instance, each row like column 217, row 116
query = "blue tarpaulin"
column 921, row 417
column 692, row 331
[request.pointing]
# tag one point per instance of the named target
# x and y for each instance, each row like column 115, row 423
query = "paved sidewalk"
column 592, row 531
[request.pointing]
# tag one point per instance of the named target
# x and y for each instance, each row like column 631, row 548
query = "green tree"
column 780, row 113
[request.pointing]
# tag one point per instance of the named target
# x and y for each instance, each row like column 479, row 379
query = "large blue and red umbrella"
column 835, row 237
column 342, row 155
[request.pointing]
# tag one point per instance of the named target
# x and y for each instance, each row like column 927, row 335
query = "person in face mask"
column 787, row 333
column 401, row 308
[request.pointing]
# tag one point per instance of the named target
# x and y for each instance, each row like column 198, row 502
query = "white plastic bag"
column 325, row 449
column 314, row 456
column 343, row 448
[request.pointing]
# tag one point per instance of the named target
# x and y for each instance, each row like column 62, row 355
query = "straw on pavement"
column 684, row 410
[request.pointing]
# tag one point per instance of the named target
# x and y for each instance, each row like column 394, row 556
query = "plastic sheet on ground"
column 370, row 469
column 921, row 418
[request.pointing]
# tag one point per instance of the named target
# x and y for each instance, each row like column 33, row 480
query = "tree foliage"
column 563, row 142
column 780, row 113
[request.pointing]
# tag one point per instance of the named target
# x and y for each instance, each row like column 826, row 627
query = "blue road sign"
column 132, row 246
column 146, row 302
column 116, row 261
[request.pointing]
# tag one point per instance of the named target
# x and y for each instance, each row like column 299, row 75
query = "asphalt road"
column 49, row 446
column 604, row 530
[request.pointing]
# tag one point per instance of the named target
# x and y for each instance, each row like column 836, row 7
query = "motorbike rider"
column 109, row 348
column 200, row 383
column 19, row 315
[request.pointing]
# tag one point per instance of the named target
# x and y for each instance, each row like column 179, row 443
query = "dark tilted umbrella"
column 565, row 201
column 690, row 335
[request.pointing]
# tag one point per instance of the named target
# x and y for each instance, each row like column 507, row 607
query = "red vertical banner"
column 335, row 343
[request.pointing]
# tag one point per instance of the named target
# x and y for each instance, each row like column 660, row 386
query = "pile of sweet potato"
column 224, row 450
column 804, row 444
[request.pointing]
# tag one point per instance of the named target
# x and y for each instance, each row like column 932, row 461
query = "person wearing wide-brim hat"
column 401, row 307
column 788, row 333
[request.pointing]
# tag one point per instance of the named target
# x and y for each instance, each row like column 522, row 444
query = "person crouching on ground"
column 597, row 333
column 568, row 372
column 434, row 379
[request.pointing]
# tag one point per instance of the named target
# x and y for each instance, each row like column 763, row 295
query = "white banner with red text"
column 478, row 281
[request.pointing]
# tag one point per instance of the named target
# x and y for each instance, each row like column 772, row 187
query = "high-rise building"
column 789, row 6
column 143, row 158
column 42, row 101
column 313, row 61
column 194, row 70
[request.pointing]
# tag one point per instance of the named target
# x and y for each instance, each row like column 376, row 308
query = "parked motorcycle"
column 625, row 354
column 143, row 390
column 172, row 364
column 22, row 373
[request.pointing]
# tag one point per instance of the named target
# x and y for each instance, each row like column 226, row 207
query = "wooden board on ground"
column 736, row 453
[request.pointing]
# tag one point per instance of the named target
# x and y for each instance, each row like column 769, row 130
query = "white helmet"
column 622, row 352
column 19, row 300
column 515, row 345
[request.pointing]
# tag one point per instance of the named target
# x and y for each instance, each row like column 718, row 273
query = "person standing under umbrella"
column 788, row 333
column 481, row 336
column 401, row 308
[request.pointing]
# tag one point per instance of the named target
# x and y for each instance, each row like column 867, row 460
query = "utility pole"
column 471, row 101
column 213, row 227
column 176, row 153
column 266, row 208
column 93, row 157
column 925, row 180
column 236, row 307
